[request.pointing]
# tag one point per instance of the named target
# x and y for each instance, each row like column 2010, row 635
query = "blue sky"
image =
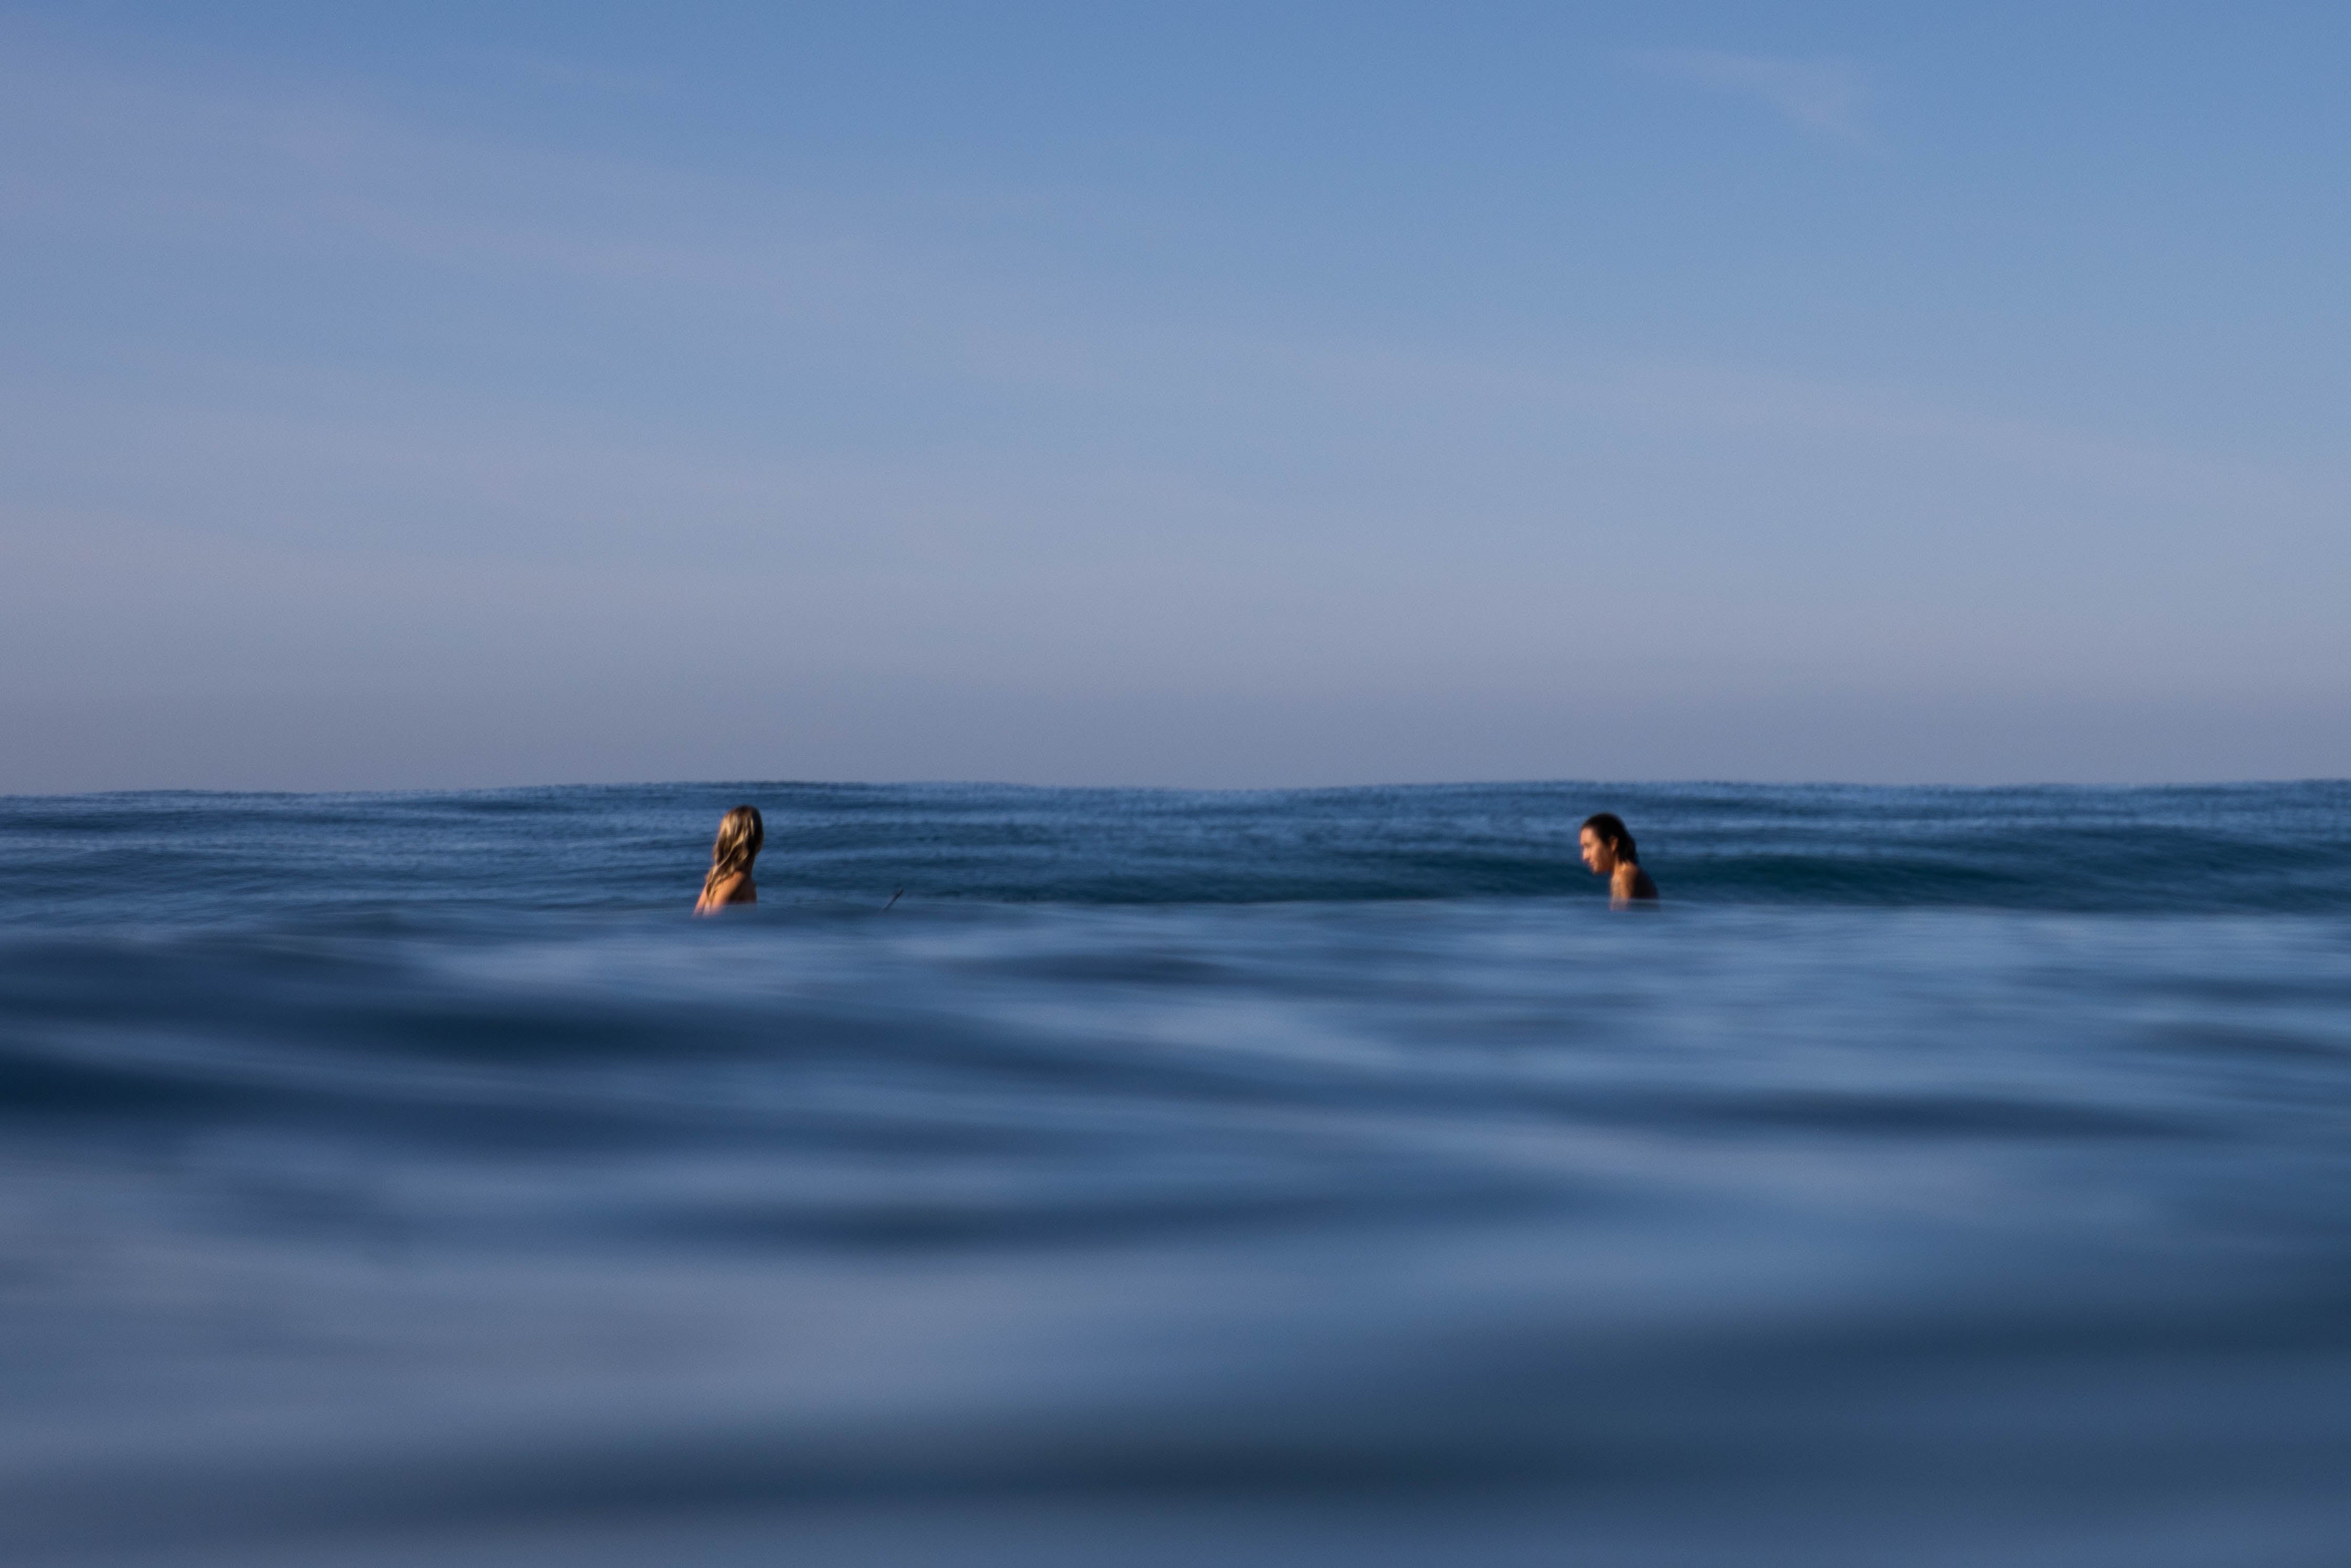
column 1233, row 396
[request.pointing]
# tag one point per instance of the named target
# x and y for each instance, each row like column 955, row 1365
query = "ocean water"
column 1939, row 1178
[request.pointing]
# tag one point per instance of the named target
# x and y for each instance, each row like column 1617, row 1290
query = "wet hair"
column 1611, row 831
column 740, row 833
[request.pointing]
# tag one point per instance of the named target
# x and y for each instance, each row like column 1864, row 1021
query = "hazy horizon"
column 1289, row 396
column 2011, row 786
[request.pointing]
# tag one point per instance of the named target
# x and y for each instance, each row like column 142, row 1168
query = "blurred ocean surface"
column 1941, row 1177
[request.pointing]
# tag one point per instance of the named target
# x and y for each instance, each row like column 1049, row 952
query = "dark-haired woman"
column 1608, row 851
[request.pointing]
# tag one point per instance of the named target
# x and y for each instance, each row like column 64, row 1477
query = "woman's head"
column 1607, row 842
column 740, row 833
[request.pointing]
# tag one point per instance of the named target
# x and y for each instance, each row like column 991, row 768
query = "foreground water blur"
column 1940, row 1178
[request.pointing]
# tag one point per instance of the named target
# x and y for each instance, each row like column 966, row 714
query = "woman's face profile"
column 1597, row 855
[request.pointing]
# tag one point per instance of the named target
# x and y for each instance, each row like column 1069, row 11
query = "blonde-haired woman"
column 737, row 846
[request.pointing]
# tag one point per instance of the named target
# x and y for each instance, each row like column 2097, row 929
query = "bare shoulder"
column 726, row 890
column 1632, row 885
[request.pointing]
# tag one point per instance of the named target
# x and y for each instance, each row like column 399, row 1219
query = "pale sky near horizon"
column 1216, row 395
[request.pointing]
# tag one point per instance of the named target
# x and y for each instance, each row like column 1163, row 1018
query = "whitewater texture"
column 1940, row 1178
